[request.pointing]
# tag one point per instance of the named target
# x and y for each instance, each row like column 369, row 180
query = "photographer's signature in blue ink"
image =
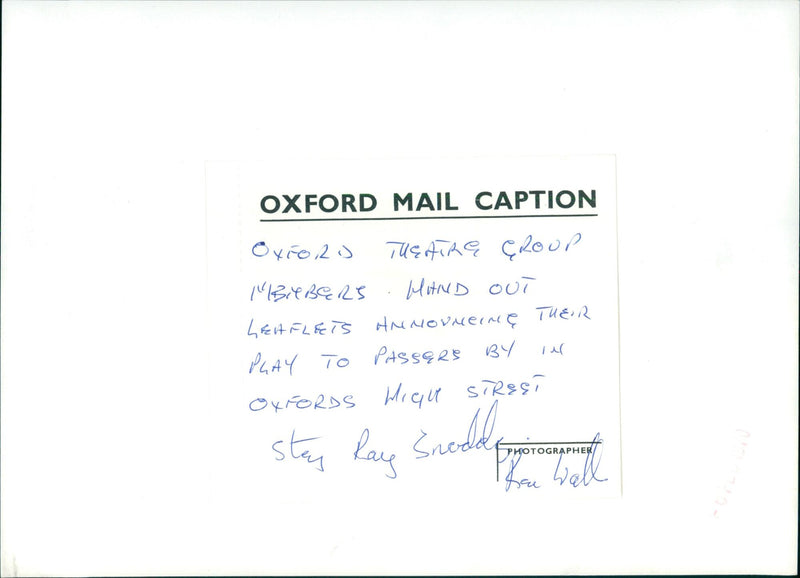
column 564, row 473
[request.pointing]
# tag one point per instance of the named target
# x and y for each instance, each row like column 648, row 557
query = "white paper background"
column 109, row 113
column 570, row 397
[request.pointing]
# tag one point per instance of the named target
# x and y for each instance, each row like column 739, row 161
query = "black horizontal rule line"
column 547, row 443
column 424, row 218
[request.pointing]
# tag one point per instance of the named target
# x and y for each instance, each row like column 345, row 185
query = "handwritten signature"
column 561, row 473
column 374, row 456
column 472, row 441
column 298, row 453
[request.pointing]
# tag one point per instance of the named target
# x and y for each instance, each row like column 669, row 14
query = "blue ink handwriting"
column 511, row 288
column 495, row 388
column 295, row 252
column 417, row 398
column 530, row 246
column 423, row 289
column 472, row 442
column 322, row 328
column 590, row 467
column 388, row 325
column 265, row 368
column 439, row 248
column 298, row 453
column 416, row 357
column 565, row 313
column 519, row 483
column 298, row 402
column 494, row 350
column 280, row 292
column 374, row 456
